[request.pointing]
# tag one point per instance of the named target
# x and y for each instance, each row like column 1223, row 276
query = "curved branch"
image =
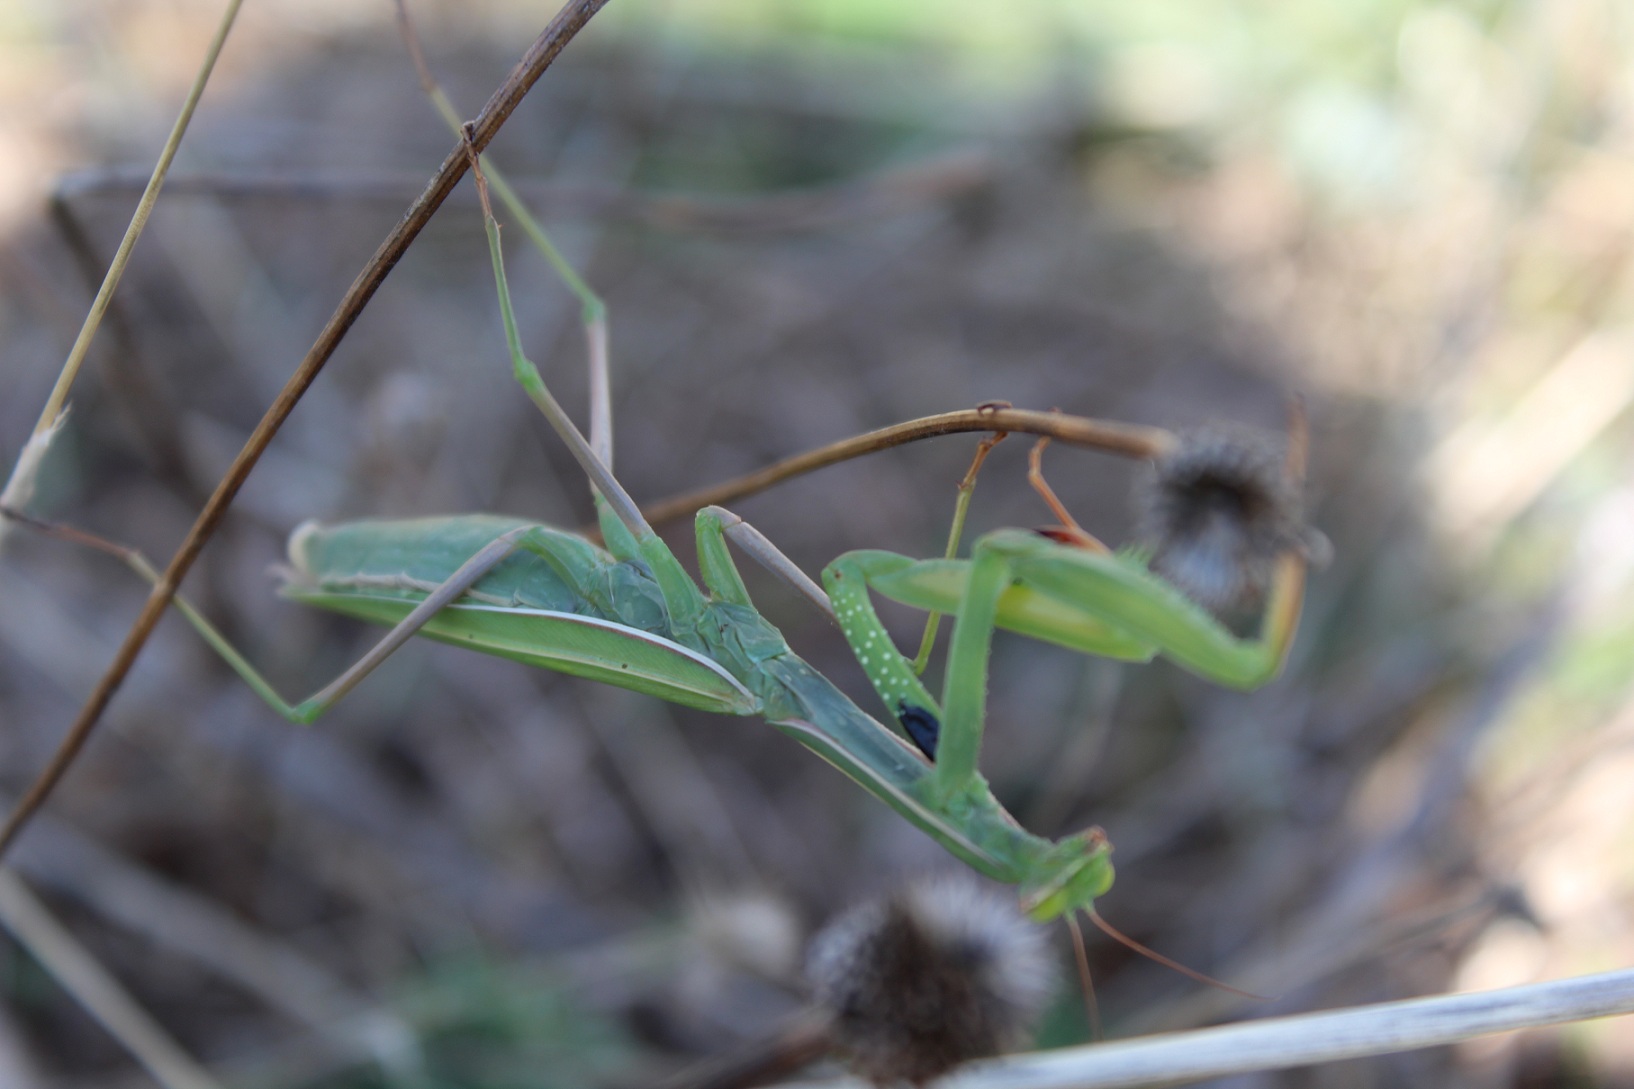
column 1128, row 440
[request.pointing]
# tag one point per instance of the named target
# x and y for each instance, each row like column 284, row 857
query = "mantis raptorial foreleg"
column 1062, row 586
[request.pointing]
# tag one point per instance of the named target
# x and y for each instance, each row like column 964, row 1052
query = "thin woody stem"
column 1107, row 436
column 562, row 29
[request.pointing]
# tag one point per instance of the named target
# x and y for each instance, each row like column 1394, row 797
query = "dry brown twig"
column 561, row 30
column 1129, row 440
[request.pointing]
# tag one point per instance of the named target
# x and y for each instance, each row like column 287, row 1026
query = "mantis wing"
column 546, row 606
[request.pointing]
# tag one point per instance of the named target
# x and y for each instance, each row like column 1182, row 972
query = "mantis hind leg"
column 592, row 310
column 310, row 709
column 626, row 531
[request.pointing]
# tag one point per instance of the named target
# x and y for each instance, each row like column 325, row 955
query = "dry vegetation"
column 551, row 883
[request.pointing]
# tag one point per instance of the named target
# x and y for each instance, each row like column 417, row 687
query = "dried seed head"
column 1217, row 512
column 939, row 973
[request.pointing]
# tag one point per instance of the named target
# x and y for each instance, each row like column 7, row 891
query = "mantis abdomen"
column 555, row 601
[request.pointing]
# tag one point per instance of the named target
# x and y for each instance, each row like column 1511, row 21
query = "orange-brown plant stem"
column 1129, row 440
column 544, row 50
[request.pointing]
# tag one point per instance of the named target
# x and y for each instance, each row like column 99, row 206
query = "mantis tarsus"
column 630, row 615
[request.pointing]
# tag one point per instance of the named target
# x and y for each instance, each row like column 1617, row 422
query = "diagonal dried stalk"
column 561, row 30
column 342, row 1021
column 102, row 996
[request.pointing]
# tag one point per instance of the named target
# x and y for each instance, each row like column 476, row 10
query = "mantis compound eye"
column 941, row 972
column 1217, row 511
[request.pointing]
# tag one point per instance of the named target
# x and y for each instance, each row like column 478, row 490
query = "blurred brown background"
column 1416, row 215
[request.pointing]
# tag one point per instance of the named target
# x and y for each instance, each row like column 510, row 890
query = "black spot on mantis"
column 922, row 727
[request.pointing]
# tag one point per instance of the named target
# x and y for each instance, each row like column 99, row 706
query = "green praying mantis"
column 629, row 614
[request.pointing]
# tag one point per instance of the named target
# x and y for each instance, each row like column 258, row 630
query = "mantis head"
column 1074, row 872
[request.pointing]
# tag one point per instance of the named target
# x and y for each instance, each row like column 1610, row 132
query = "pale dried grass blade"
column 1303, row 1040
column 82, row 976
column 19, row 487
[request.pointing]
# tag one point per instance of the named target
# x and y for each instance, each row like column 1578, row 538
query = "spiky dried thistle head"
column 939, row 973
column 1217, row 511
